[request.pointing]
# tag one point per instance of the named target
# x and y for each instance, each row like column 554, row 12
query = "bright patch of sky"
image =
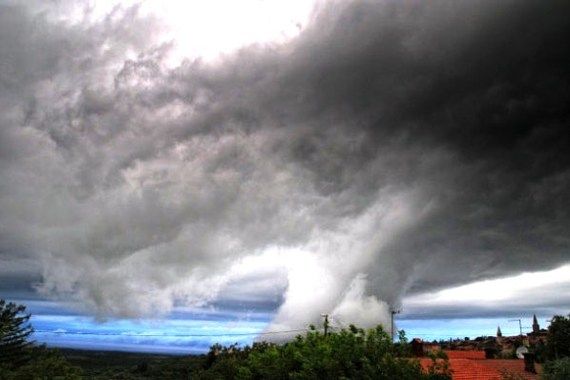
column 206, row 29
column 437, row 329
column 182, row 333
column 544, row 293
column 209, row 28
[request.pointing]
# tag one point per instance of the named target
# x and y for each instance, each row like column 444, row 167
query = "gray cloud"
column 396, row 147
column 541, row 293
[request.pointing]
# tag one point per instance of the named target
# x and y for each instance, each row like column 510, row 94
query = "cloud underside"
column 391, row 148
column 544, row 293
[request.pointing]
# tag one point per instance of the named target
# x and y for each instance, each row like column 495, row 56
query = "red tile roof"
column 472, row 365
column 455, row 354
column 468, row 369
column 512, row 366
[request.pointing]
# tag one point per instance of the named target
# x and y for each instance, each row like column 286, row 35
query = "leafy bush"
column 540, row 351
column 557, row 369
column 439, row 369
column 348, row 354
column 508, row 354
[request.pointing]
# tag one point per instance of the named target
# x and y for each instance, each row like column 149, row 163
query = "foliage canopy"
column 348, row 354
column 557, row 369
column 558, row 342
column 14, row 332
column 20, row 359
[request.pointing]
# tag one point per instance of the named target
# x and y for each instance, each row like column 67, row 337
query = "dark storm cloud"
column 403, row 146
column 482, row 85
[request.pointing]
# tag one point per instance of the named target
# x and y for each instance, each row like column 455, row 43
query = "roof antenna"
column 520, row 324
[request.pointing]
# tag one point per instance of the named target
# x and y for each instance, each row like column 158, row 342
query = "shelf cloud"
column 391, row 148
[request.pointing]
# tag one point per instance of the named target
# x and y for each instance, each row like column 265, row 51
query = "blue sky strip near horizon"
column 194, row 332
column 195, row 336
column 437, row 329
column 166, row 336
column 182, row 332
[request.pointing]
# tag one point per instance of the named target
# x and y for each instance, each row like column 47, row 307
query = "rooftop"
column 472, row 365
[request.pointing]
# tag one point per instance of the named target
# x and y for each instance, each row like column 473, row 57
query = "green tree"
column 351, row 353
column 558, row 340
column 15, row 330
column 20, row 358
column 44, row 364
column 557, row 369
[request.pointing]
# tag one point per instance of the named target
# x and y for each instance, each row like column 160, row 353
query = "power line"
column 520, row 323
column 55, row 332
column 163, row 335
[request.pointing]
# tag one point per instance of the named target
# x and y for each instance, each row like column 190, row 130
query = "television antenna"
column 520, row 324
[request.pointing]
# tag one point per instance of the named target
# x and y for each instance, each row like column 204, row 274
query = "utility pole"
column 520, row 324
column 392, row 313
column 326, row 323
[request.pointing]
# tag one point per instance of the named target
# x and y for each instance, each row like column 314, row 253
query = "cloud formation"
column 391, row 148
column 542, row 293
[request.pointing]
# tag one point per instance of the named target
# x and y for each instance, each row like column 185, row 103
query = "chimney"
column 417, row 347
column 529, row 362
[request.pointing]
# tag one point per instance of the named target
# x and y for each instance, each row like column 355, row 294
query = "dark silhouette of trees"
column 558, row 342
column 557, row 369
column 557, row 349
column 15, row 331
column 20, row 358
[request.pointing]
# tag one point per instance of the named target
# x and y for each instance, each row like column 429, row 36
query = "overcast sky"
column 292, row 158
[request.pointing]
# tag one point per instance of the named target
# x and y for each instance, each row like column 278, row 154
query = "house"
column 487, row 358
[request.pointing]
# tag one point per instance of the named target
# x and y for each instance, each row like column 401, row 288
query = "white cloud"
column 528, row 292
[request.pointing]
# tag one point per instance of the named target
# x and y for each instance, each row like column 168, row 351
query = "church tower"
column 535, row 325
column 499, row 333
